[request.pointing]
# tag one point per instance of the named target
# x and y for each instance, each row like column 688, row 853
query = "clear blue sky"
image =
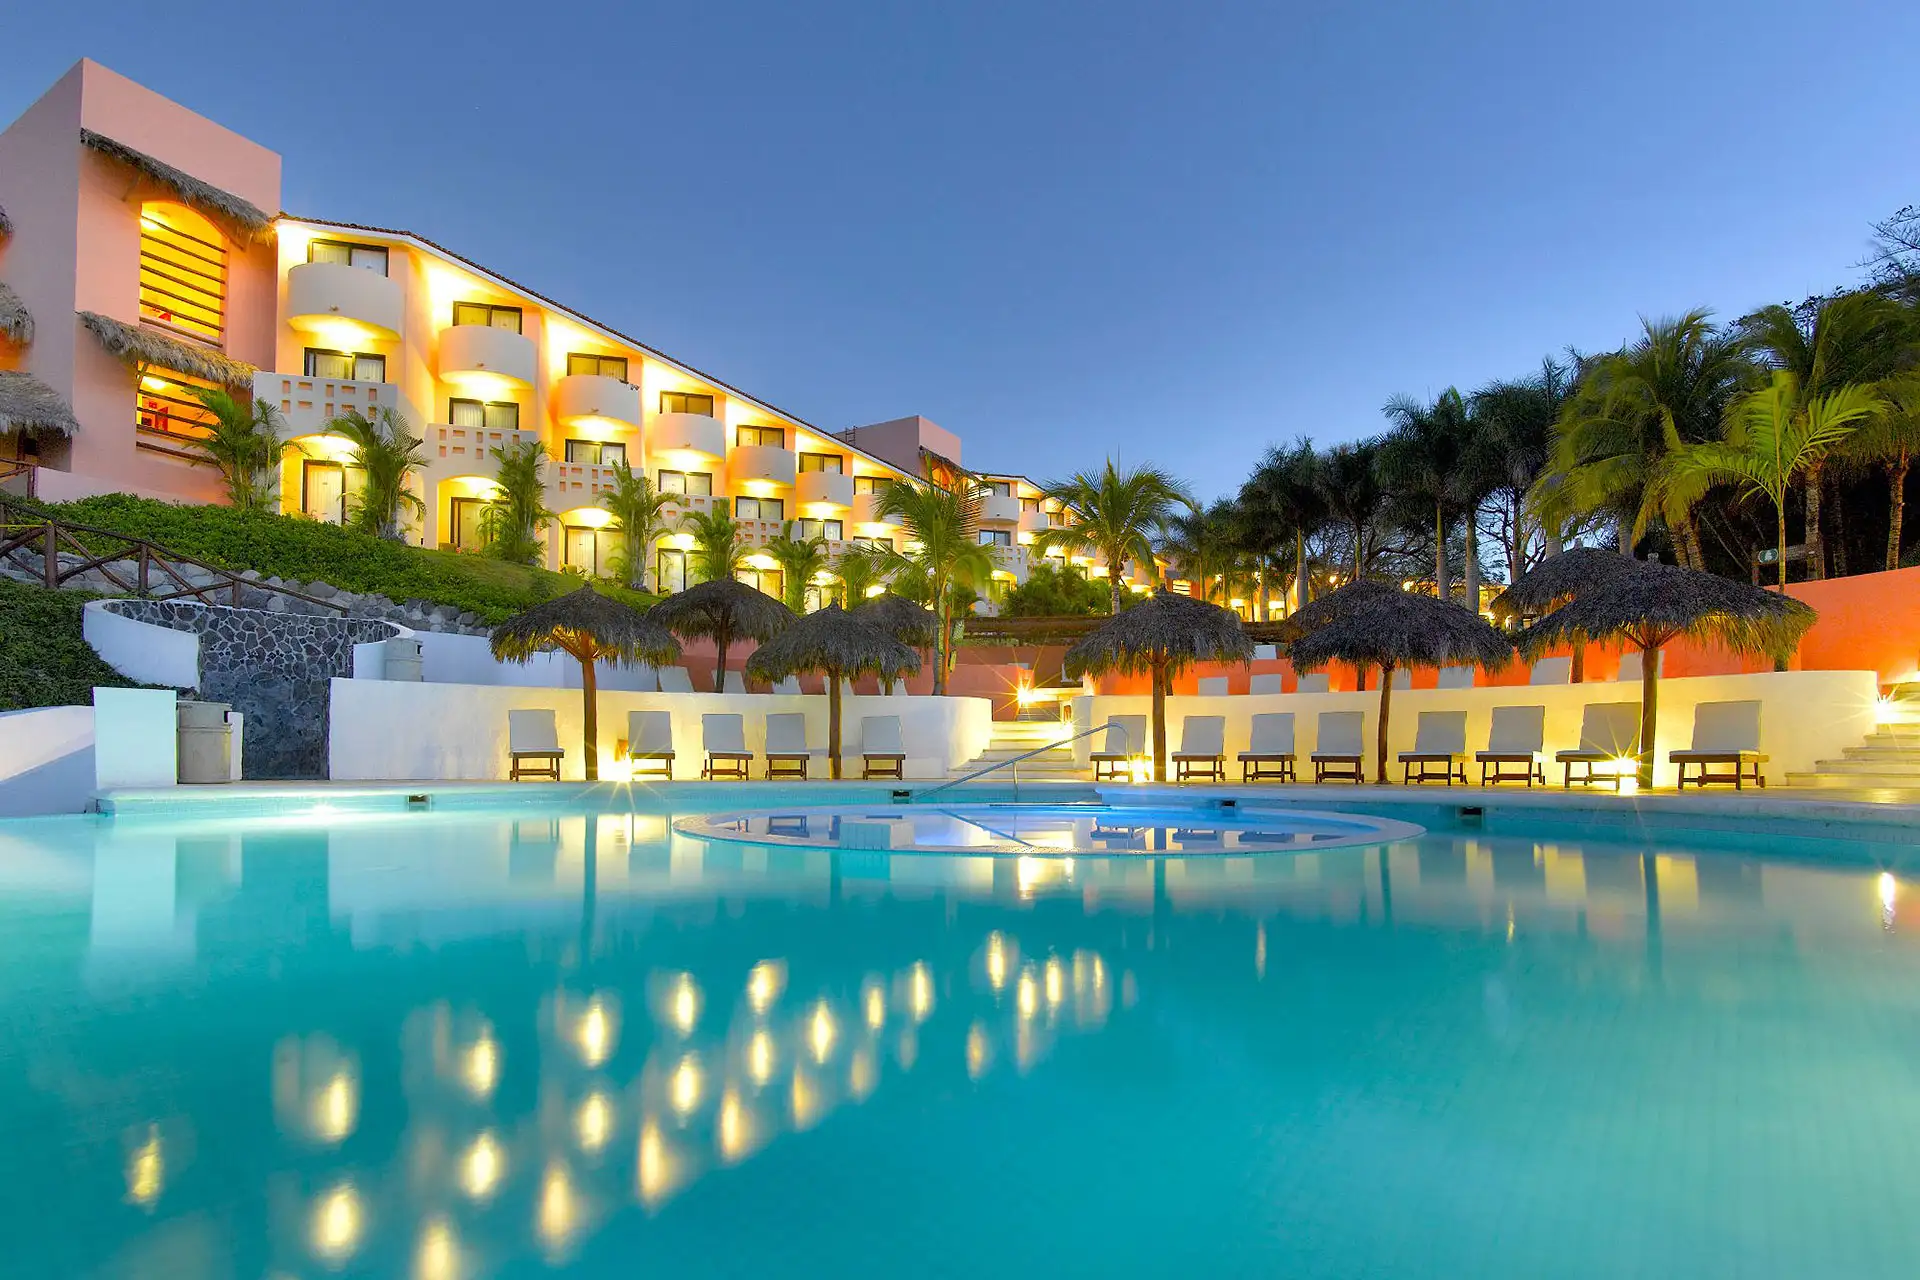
column 1179, row 232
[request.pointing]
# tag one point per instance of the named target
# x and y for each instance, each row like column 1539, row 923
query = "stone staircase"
column 1889, row 757
column 1017, row 737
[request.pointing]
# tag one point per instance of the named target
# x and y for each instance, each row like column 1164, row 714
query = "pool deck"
column 1880, row 815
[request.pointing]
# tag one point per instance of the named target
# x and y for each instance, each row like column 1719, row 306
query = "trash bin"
column 206, row 741
column 402, row 659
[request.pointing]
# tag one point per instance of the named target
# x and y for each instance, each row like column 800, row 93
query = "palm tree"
column 1113, row 515
column 1517, row 417
column 244, row 442
column 385, row 453
column 1848, row 339
column 860, row 568
column 942, row 524
column 1285, row 501
column 513, row 521
column 801, row 560
column 1201, row 542
column 1348, row 478
column 1773, row 436
column 1891, row 440
column 638, row 512
column 1426, row 457
column 1632, row 409
column 717, row 549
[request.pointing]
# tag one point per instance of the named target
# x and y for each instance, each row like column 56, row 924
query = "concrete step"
column 1888, row 781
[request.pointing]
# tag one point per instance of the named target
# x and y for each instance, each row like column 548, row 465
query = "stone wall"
column 274, row 668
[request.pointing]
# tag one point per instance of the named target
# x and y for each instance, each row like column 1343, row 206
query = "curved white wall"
column 140, row 650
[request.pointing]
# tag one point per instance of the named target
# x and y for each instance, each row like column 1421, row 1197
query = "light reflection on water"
column 460, row 1046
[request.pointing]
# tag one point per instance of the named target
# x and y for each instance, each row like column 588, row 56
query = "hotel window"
column 326, row 488
column 696, row 483
column 488, row 416
column 686, row 402
column 595, row 453
column 483, row 313
column 368, row 257
column 168, row 404
column 769, row 437
column 829, row 462
column 1000, row 488
column 601, row 366
column 770, row 581
column 670, row 570
column 183, row 273
column 877, row 544
column 465, row 523
column 869, row 484
column 1029, row 506
column 831, row 530
column 996, row 538
column 759, row 509
column 589, row 548
column 346, row 366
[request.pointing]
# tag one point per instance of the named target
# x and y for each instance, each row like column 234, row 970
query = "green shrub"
column 1051, row 592
column 304, row 550
column 44, row 659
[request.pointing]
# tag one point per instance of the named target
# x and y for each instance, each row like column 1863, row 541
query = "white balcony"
column 344, row 306
column 587, row 399
column 467, row 451
column 309, row 404
column 682, row 438
column 1000, row 509
column 486, row 358
column 823, row 492
column 762, row 463
column 686, row 504
column 571, row 485
column 1032, row 521
column 866, row 509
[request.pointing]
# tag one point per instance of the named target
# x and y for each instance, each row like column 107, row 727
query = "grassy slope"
column 44, row 660
column 305, row 550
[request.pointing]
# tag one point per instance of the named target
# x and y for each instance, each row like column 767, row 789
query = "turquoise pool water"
column 532, row 1043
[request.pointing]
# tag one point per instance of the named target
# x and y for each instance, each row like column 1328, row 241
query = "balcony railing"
column 308, row 404
column 468, row 450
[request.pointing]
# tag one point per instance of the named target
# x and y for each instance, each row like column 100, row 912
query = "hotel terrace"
column 139, row 243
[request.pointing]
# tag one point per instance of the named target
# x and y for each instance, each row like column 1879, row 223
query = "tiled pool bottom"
column 485, row 1044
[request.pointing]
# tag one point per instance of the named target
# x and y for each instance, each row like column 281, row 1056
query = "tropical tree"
column 717, row 548
column 942, row 525
column 639, row 512
column 1284, row 502
column 513, row 521
column 1517, row 418
column 1630, row 411
column 1427, row 456
column 1772, row 437
column 1891, row 440
column 1850, row 339
column 1114, row 515
column 1203, row 543
column 801, row 560
column 244, row 442
column 1348, row 479
column 386, row 453
column 1055, row 591
column 860, row 568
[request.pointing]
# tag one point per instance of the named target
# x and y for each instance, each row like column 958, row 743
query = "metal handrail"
column 1013, row 762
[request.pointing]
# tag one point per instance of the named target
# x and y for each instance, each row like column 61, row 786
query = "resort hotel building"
column 143, row 258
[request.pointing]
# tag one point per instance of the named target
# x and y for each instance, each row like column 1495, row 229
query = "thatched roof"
column 15, row 322
column 1373, row 624
column 140, row 347
column 1334, row 605
column 1558, row 579
column 901, row 618
column 241, row 219
column 722, row 604
column 839, row 643
column 30, row 406
column 584, row 619
column 1165, row 628
column 1656, row 603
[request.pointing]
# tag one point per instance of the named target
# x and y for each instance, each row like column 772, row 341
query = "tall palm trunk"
column 1301, row 585
column 1780, row 518
column 1472, row 580
column 1440, row 584
column 1115, row 558
column 943, row 617
column 1816, row 545
column 1897, row 501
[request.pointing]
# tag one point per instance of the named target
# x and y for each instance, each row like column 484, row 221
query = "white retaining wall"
column 1805, row 716
column 395, row 730
column 46, row 761
column 140, row 650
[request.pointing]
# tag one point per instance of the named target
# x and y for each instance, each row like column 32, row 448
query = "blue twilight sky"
column 1174, row 232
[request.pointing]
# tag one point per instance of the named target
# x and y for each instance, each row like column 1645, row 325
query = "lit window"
column 595, row 453
column 829, row 462
column 671, row 570
column 484, row 416
column 487, row 315
column 759, row 509
column 168, row 404
column 183, row 273
column 345, row 365
column 770, row 437
column 869, row 484
column 996, row 538
column 368, row 257
column 590, row 549
column 686, row 402
column 697, row 483
column 877, row 544
column 600, row 366
column 831, row 530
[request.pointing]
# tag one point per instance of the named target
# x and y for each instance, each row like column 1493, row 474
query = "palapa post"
column 722, row 610
column 839, row 644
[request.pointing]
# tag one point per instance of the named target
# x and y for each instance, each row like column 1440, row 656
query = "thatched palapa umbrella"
column 1162, row 636
column 1655, row 604
column 723, row 610
column 913, row 625
column 839, row 644
column 1371, row 623
column 1556, row 580
column 593, row 628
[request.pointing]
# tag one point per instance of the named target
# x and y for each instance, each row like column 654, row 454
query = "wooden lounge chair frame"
column 661, row 761
column 517, row 766
column 1108, row 765
column 882, row 764
column 1746, row 761
column 724, row 764
column 1453, row 764
column 1257, row 766
column 1199, row 764
column 788, row 763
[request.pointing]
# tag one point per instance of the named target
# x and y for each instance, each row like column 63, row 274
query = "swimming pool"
column 467, row 1043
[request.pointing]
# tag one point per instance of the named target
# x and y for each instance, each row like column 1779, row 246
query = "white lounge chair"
column 650, row 739
column 1402, row 678
column 883, row 753
column 1270, row 744
column 786, row 684
column 643, row 678
column 675, row 680
column 1518, row 736
column 1439, row 738
column 733, row 682
column 894, row 688
column 1337, row 752
column 1265, row 652
column 1455, row 678
column 788, row 754
column 1608, row 731
column 723, row 736
column 1551, row 671
column 1317, row 682
column 1211, row 687
column 533, row 735
column 1723, row 733
column 1265, row 682
column 1632, row 664
column 1126, row 737
column 1203, row 749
